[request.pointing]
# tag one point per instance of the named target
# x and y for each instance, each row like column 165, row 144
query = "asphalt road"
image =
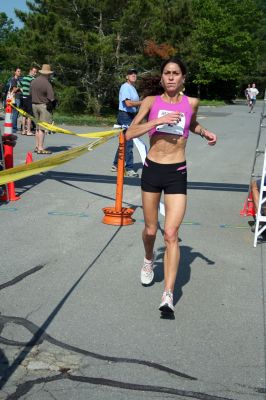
column 75, row 322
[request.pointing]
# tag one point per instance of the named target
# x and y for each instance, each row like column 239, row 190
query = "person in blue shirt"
column 129, row 102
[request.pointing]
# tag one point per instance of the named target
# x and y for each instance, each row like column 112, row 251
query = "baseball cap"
column 132, row 71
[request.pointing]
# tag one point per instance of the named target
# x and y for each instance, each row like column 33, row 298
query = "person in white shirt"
column 253, row 92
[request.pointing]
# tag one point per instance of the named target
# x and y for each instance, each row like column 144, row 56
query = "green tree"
column 163, row 23
column 224, row 42
column 8, row 37
column 76, row 38
column 90, row 44
column 259, row 74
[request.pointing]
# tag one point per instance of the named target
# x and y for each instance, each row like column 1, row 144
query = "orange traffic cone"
column 10, row 194
column 248, row 208
column 8, row 118
column 119, row 215
column 29, row 159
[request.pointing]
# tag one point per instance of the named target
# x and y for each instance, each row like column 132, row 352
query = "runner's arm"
column 137, row 128
column 195, row 126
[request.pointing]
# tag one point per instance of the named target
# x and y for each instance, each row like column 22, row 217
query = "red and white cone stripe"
column 8, row 120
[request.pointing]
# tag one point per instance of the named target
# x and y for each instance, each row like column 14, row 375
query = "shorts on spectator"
column 40, row 112
column 26, row 105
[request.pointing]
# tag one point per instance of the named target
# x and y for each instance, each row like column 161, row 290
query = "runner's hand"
column 171, row 118
column 210, row 137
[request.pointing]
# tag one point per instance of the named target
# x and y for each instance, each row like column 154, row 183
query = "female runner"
column 170, row 118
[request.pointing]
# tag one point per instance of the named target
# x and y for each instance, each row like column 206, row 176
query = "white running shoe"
column 114, row 168
column 132, row 173
column 146, row 273
column 166, row 306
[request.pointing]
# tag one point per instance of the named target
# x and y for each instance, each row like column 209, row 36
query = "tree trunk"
column 117, row 51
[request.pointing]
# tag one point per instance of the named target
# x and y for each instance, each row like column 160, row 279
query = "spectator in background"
column 255, row 189
column 247, row 94
column 26, row 101
column 42, row 94
column 128, row 105
column 15, row 83
column 253, row 92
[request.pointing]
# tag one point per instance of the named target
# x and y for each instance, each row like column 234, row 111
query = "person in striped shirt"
column 26, row 101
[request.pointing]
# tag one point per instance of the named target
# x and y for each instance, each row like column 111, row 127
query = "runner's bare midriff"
column 167, row 149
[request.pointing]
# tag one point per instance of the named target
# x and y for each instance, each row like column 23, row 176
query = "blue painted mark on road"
column 234, row 226
column 68, row 214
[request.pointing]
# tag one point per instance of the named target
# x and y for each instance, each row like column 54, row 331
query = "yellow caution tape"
column 57, row 129
column 24, row 171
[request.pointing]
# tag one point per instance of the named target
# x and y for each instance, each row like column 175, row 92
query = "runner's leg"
column 150, row 202
column 175, row 207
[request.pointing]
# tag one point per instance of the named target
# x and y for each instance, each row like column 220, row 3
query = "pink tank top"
column 161, row 107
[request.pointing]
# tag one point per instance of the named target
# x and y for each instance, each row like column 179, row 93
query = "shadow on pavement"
column 64, row 177
column 187, row 256
column 57, row 149
column 38, row 335
column 4, row 363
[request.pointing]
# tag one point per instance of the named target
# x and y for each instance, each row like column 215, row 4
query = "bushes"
column 71, row 101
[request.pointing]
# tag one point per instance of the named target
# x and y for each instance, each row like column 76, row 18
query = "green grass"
column 84, row 119
column 212, row 103
column 107, row 120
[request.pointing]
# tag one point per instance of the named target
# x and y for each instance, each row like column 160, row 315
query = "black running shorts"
column 26, row 105
column 170, row 178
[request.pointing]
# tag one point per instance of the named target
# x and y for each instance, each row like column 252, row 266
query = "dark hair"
column 177, row 61
column 149, row 85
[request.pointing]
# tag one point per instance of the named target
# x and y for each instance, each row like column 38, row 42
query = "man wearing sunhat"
column 42, row 94
column 128, row 104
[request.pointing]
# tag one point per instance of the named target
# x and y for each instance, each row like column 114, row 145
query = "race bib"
column 174, row 129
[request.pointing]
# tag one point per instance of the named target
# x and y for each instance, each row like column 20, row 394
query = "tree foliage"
column 8, row 35
column 90, row 44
